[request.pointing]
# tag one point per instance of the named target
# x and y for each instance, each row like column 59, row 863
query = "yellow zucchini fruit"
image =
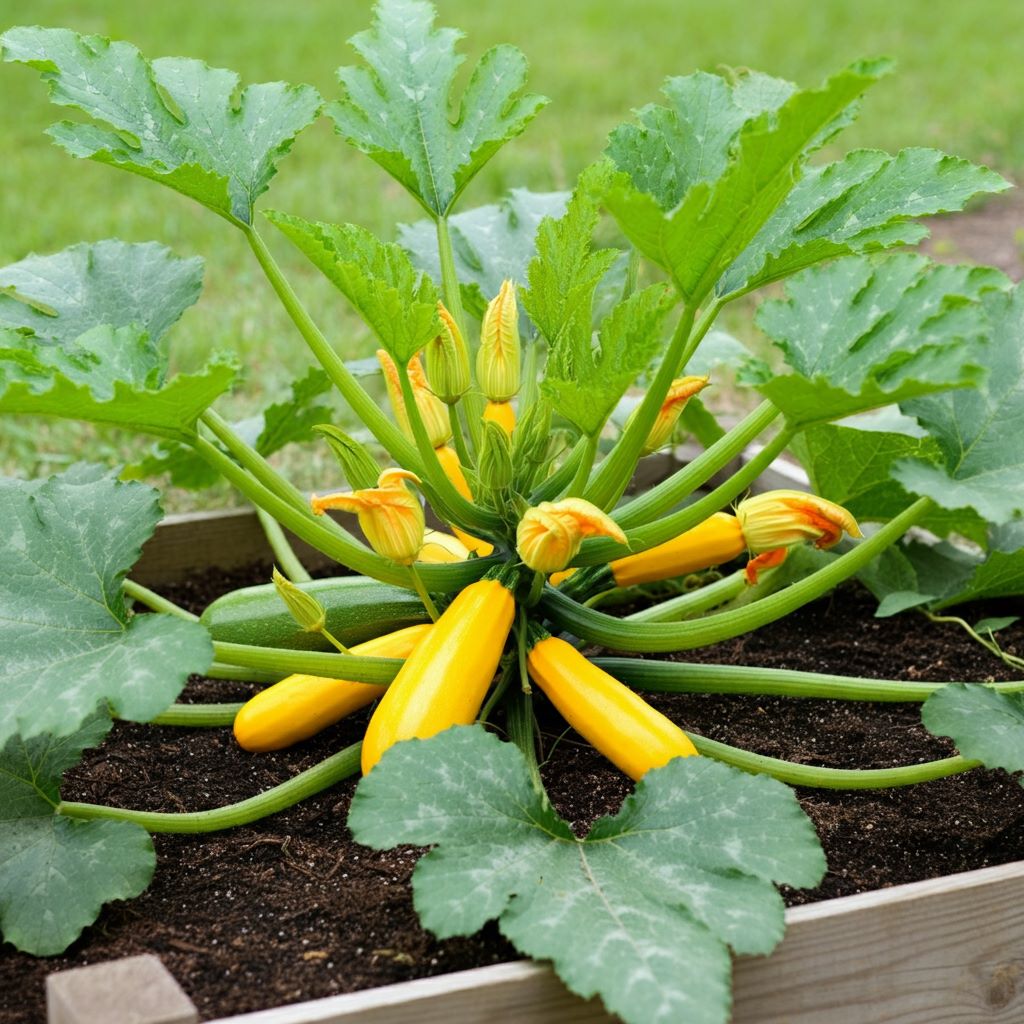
column 606, row 713
column 444, row 681
column 501, row 413
column 453, row 470
column 300, row 706
column 718, row 539
column 441, row 547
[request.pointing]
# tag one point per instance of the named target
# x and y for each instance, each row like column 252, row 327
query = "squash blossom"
column 497, row 361
column 433, row 411
column 680, row 392
column 389, row 514
column 448, row 360
column 775, row 521
column 549, row 535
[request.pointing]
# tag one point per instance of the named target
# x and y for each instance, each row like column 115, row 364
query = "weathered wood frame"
column 949, row 949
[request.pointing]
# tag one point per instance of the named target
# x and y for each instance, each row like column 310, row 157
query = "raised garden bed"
column 288, row 908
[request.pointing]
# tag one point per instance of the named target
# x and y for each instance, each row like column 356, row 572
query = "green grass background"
column 959, row 86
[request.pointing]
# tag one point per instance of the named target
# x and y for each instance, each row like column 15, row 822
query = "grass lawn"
column 959, row 86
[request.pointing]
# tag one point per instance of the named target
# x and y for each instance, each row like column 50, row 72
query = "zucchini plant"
column 529, row 370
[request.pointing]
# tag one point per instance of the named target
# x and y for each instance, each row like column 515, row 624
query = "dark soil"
column 290, row 908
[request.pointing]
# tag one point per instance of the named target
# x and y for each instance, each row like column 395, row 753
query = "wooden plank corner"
column 132, row 990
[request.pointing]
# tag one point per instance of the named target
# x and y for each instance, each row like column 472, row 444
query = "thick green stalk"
column 362, row 404
column 831, row 778
column 665, row 496
column 198, row 716
column 693, row 603
column 243, row 674
column 684, row 677
column 332, row 540
column 356, row 667
column 579, row 481
column 313, row 780
column 652, row 637
column 458, row 437
column 604, row 549
column 521, row 731
column 284, row 555
column 156, row 603
column 556, row 484
column 615, row 472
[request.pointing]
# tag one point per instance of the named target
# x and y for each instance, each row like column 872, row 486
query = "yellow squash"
column 453, row 470
column 444, row 681
column 501, row 413
column 301, row 706
column 718, row 539
column 608, row 714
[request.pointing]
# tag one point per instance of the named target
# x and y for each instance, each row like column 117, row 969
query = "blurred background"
column 959, row 87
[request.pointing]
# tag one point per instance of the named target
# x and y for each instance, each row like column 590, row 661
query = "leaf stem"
column 425, row 597
column 198, row 716
column 313, row 780
column 651, row 637
column 284, row 555
column 990, row 645
column 693, row 603
column 579, row 481
column 156, row 603
column 362, row 404
column 359, row 668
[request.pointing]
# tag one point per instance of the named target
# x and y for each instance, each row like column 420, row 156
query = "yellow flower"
column 777, row 520
column 549, row 535
column 497, row 361
column 448, row 360
column 390, row 515
column 433, row 411
column 680, row 392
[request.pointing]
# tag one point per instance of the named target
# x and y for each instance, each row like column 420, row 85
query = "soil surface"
column 290, row 908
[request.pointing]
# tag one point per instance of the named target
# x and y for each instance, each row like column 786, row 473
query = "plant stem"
column 458, row 437
column 521, row 731
column 579, row 481
column 362, row 404
column 284, row 555
column 198, row 716
column 156, row 603
column 498, row 692
column 556, row 484
column 424, row 594
column 680, row 485
column 243, row 674
column 990, row 645
column 359, row 668
column 693, row 603
column 681, row 677
column 313, row 780
column 831, row 778
column 615, row 472
column 651, row 637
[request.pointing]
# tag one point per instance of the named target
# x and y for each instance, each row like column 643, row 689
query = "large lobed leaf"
column 986, row 725
column 396, row 110
column 490, row 243
column 174, row 120
column 396, row 301
column 56, row 873
column 862, row 333
column 111, row 283
column 67, row 642
column 979, row 431
column 641, row 912
column 701, row 178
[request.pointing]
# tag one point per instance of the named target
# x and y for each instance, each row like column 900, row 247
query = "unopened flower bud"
column 497, row 362
column 448, row 360
column 305, row 609
column 432, row 410
column 679, row 393
column 390, row 515
column 549, row 535
column 495, row 463
column 358, row 465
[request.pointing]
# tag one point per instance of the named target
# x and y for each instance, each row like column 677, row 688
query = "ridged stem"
column 156, row 603
column 693, row 603
column 198, row 716
column 313, row 780
column 556, row 484
column 356, row 667
column 284, row 555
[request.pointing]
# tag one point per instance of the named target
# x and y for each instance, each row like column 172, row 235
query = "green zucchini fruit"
column 358, row 609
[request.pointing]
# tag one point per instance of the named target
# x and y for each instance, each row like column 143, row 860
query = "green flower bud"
column 305, row 609
column 497, row 361
column 448, row 360
column 495, row 464
column 358, row 465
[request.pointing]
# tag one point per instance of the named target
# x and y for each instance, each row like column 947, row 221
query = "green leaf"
column 396, row 301
column 68, row 640
column 174, row 120
column 56, row 873
column 110, row 376
column 491, row 243
column 397, row 108
column 985, row 725
column 979, row 431
column 861, row 333
column 853, row 467
column 687, row 864
column 111, row 283
column 863, row 203
column 695, row 200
